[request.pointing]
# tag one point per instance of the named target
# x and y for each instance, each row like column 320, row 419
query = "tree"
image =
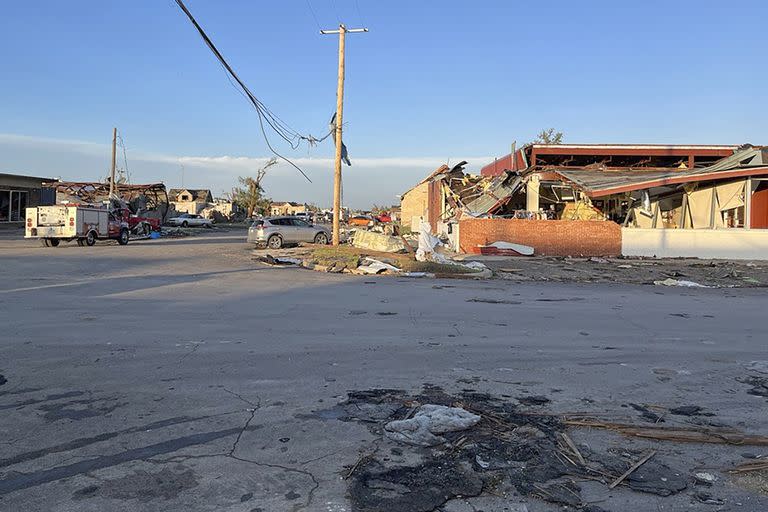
column 250, row 195
column 549, row 136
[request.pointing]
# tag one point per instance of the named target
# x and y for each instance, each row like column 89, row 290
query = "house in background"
column 287, row 208
column 190, row 200
column 18, row 192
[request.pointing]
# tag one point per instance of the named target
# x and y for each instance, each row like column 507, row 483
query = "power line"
column 291, row 136
column 314, row 15
column 357, row 7
column 333, row 6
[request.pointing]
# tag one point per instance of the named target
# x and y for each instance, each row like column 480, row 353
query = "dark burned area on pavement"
column 514, row 450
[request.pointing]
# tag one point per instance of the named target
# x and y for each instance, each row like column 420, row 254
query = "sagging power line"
column 288, row 134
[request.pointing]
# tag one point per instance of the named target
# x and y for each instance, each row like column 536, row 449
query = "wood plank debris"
column 633, row 468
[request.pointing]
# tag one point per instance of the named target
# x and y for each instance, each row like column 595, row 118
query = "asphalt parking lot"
column 180, row 375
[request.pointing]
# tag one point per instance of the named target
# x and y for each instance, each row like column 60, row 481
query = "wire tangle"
column 278, row 126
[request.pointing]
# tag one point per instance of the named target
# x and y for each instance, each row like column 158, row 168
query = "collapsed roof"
column 139, row 197
column 747, row 161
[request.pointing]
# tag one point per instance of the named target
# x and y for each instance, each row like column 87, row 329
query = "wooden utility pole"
column 112, row 170
column 339, row 113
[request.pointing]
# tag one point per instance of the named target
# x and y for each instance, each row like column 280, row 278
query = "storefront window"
column 5, row 206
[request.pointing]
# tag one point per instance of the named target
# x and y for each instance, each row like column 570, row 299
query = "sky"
column 433, row 82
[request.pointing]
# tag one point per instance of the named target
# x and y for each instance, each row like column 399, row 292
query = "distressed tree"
column 250, row 195
column 549, row 136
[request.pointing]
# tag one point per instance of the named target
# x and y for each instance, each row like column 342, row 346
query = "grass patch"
column 331, row 255
column 351, row 257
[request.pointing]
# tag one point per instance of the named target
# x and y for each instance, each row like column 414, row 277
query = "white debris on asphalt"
column 374, row 266
column 429, row 420
column 679, row 282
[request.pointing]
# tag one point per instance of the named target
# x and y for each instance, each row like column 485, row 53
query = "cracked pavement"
column 179, row 375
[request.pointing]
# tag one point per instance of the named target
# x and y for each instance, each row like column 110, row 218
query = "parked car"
column 186, row 220
column 384, row 218
column 274, row 232
column 361, row 220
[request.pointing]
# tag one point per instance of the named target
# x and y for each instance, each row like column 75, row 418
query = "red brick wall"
column 547, row 237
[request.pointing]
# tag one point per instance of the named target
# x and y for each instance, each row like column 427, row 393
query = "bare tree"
column 549, row 136
column 250, row 195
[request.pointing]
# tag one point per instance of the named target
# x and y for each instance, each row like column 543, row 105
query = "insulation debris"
column 374, row 241
column 430, row 419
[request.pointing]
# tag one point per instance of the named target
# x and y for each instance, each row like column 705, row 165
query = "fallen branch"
column 676, row 434
column 632, row 469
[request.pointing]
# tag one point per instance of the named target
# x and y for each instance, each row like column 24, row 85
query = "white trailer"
column 86, row 224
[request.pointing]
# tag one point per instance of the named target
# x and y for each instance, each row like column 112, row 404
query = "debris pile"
column 432, row 447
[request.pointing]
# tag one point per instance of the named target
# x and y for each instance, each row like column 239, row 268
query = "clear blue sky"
column 431, row 81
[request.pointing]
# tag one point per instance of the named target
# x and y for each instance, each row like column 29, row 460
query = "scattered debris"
column 677, row 434
column 418, row 274
column 647, row 413
column 758, row 366
column 506, row 249
column 676, row 282
column 416, row 488
column 377, row 241
column 462, row 445
column 704, row 478
column 689, row 410
column 752, row 465
column 759, row 385
column 533, row 400
column 279, row 261
column 373, row 266
column 632, row 469
column 707, row 499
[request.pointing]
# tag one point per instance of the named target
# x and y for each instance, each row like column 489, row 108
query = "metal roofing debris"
column 500, row 189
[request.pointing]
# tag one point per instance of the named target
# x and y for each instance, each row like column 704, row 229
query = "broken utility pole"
column 112, row 169
column 339, row 110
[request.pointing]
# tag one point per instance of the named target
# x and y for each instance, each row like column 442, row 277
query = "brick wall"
column 547, row 237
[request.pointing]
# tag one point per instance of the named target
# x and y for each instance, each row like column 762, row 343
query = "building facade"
column 18, row 192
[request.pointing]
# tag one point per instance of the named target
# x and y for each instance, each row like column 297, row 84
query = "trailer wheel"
column 124, row 237
column 81, row 242
column 54, row 242
column 90, row 239
column 44, row 242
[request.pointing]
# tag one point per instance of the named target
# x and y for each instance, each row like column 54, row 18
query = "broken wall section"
column 547, row 237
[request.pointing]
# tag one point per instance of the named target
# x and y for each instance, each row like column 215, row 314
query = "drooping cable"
column 292, row 137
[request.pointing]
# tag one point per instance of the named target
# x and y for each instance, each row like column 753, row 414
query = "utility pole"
column 112, row 170
column 342, row 30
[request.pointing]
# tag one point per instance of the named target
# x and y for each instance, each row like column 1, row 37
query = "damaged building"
column 605, row 200
column 149, row 201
